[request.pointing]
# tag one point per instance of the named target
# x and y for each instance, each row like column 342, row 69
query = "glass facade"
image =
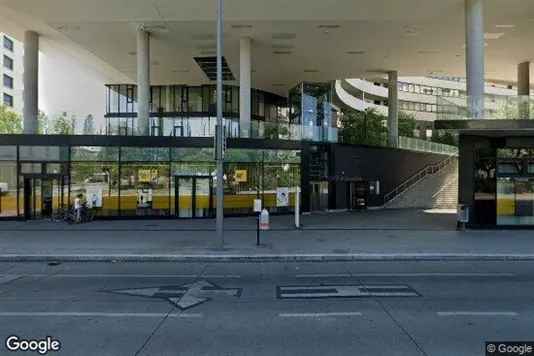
column 187, row 111
column 515, row 186
column 125, row 181
column 310, row 106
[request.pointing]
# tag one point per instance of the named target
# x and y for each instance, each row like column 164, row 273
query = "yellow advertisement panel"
column 241, row 176
column 145, row 175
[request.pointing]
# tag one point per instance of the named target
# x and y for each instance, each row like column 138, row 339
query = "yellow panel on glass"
column 241, row 175
column 110, row 203
column 506, row 206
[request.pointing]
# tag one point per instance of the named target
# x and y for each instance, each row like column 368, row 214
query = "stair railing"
column 435, row 196
column 416, row 178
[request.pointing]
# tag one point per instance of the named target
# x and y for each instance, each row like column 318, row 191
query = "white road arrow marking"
column 345, row 291
column 183, row 296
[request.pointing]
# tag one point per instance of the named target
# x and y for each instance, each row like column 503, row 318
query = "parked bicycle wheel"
column 59, row 216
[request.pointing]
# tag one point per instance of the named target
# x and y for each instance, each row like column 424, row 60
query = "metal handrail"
column 416, row 178
column 445, row 187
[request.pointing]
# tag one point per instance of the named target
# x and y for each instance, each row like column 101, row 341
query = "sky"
column 67, row 85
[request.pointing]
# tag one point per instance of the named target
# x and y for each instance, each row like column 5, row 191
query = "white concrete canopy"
column 326, row 39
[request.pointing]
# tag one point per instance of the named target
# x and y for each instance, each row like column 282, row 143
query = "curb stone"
column 258, row 258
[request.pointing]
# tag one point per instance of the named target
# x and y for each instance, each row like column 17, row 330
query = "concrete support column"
column 31, row 82
column 523, row 89
column 393, row 110
column 245, row 54
column 143, row 82
column 474, row 50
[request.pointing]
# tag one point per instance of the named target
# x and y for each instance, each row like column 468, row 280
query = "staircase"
column 434, row 190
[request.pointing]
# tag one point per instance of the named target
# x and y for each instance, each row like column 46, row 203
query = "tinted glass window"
column 8, row 43
column 8, row 62
column 8, row 100
column 8, row 81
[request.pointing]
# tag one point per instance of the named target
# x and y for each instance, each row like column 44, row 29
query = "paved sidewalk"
column 154, row 243
column 363, row 220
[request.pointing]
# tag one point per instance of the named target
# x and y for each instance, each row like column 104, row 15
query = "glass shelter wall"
column 141, row 181
column 515, row 187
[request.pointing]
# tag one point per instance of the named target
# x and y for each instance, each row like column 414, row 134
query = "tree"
column 406, row 124
column 363, row 127
column 445, row 138
column 61, row 125
column 44, row 125
column 89, row 125
column 10, row 122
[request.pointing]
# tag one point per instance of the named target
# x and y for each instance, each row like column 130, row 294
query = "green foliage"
column 407, row 124
column 61, row 125
column 43, row 123
column 274, row 130
column 10, row 122
column 445, row 138
column 363, row 127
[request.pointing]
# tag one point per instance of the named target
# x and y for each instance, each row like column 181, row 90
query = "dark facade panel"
column 390, row 167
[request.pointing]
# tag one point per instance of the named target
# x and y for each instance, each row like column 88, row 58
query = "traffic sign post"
column 257, row 209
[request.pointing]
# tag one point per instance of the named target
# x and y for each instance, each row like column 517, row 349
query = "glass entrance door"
column 193, row 197
column 42, row 195
column 318, row 196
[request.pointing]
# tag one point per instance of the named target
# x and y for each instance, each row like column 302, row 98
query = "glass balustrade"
column 520, row 107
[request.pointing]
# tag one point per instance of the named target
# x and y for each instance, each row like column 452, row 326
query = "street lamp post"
column 219, row 131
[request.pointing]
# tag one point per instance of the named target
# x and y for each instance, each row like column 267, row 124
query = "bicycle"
column 86, row 215
column 62, row 214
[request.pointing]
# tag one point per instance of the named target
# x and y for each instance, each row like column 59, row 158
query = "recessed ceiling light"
column 311, row 71
column 153, row 28
column 284, row 36
column 282, row 52
column 68, row 28
column 328, row 26
column 493, row 35
column 241, row 26
column 504, row 26
column 283, row 46
column 355, row 52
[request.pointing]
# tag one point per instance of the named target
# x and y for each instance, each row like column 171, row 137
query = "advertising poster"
column 282, row 197
column 94, row 197
column 144, row 198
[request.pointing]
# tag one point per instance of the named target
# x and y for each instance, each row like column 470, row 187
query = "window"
column 8, row 100
column 8, row 62
column 8, row 43
column 8, row 81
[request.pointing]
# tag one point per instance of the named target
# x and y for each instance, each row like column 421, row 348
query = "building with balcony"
column 426, row 98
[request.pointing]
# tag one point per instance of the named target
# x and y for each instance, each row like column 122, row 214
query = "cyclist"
column 78, row 206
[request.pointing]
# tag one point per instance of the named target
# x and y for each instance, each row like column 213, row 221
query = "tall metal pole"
column 219, row 130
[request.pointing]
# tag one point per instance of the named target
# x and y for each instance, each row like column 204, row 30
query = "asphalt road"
column 365, row 308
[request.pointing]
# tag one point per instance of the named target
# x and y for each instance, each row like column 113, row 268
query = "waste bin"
column 462, row 213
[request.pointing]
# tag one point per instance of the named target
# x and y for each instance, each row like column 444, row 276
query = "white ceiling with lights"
column 293, row 40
